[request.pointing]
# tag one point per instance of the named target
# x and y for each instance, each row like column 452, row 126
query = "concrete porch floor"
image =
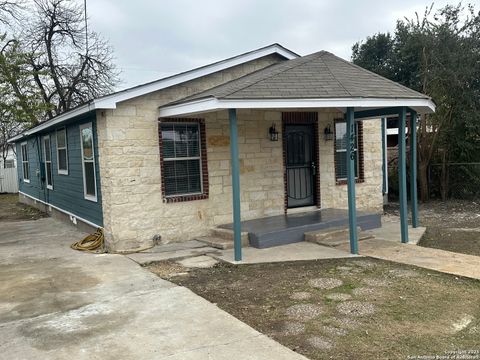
column 390, row 231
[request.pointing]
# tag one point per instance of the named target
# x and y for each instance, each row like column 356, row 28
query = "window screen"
column 62, row 161
column 181, row 158
column 25, row 167
column 88, row 162
column 47, row 157
column 341, row 142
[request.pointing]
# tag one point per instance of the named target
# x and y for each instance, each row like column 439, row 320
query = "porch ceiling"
column 319, row 80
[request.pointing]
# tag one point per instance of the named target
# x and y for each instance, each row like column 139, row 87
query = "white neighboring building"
column 8, row 172
column 10, row 160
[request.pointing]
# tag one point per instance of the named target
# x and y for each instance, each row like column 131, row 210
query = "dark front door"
column 300, row 165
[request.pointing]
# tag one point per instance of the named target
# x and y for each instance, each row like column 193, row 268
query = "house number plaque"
column 352, row 141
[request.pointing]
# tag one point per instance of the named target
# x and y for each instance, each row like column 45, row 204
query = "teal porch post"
column 384, row 158
column 402, row 174
column 237, row 239
column 352, row 211
column 413, row 168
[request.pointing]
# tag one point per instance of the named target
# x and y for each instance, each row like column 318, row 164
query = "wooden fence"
column 8, row 180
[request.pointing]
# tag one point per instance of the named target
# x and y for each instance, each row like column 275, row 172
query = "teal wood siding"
column 68, row 191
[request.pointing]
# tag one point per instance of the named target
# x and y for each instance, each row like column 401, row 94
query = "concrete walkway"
column 433, row 259
column 291, row 252
column 56, row 303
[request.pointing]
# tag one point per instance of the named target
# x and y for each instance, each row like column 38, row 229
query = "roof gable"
column 319, row 75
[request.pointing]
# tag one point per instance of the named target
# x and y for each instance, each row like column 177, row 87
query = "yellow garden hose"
column 93, row 243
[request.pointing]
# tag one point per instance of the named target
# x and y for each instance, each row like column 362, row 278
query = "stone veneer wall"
column 130, row 168
column 369, row 192
column 133, row 208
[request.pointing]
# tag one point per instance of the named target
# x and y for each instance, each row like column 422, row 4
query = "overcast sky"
column 157, row 38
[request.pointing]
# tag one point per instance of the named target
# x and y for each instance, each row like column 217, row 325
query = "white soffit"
column 213, row 104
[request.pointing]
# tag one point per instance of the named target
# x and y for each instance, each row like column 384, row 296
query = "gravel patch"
column 356, row 308
column 338, row 296
column 300, row 295
column 363, row 263
column 331, row 330
column 319, row 342
column 304, row 312
column 404, row 273
column 236, row 285
column 348, row 270
column 462, row 323
column 474, row 330
column 364, row 291
column 325, row 283
column 293, row 328
column 344, row 268
column 202, row 261
column 167, row 269
column 376, row 282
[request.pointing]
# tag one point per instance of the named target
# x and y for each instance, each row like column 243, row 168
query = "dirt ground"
column 344, row 308
column 453, row 225
column 12, row 210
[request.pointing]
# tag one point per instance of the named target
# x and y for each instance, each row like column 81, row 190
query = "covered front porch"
column 313, row 84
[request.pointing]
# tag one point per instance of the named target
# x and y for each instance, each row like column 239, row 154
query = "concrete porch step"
column 216, row 242
column 227, row 234
column 335, row 236
column 222, row 239
column 286, row 229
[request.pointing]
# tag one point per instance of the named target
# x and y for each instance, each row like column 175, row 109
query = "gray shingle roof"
column 319, row 75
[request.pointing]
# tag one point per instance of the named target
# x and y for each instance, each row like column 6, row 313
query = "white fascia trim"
column 57, row 120
column 213, row 104
column 110, row 101
column 62, row 210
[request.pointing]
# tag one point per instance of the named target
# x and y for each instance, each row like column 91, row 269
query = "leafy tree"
column 375, row 54
column 21, row 104
column 439, row 55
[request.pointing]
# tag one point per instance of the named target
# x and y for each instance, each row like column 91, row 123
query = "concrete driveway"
column 56, row 303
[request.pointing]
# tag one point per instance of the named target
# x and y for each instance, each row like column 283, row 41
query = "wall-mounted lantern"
column 273, row 133
column 328, row 133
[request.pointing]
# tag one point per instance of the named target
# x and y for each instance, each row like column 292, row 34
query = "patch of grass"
column 413, row 315
column 463, row 241
column 345, row 288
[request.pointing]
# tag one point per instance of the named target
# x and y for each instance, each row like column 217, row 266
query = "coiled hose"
column 93, row 243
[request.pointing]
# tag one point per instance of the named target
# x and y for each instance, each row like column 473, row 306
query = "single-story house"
column 267, row 134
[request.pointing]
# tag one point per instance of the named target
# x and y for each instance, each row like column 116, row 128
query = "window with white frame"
column 47, row 157
column 9, row 164
column 341, row 143
column 88, row 162
column 182, row 161
column 62, row 157
column 25, row 167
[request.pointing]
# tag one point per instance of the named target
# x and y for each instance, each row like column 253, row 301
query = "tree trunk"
column 444, row 186
column 423, row 181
